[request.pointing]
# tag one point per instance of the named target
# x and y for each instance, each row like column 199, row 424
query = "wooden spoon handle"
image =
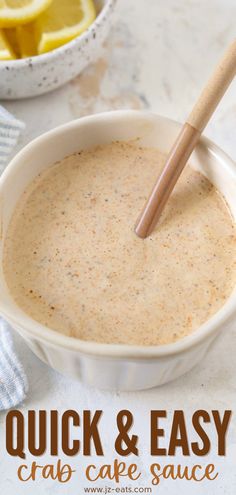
column 214, row 90
column 176, row 161
column 186, row 142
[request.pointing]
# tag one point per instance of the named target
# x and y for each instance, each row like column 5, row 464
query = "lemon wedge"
column 62, row 22
column 11, row 36
column 22, row 40
column 26, row 40
column 6, row 52
column 15, row 12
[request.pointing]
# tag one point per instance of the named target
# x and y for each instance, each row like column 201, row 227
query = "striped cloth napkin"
column 13, row 381
column 10, row 129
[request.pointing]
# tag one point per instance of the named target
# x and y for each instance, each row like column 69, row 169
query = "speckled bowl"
column 37, row 75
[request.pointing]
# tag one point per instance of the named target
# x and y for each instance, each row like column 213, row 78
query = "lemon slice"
column 62, row 22
column 6, row 52
column 22, row 40
column 15, row 12
column 26, row 40
column 11, row 36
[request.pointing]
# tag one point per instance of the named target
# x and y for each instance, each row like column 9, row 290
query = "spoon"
column 186, row 142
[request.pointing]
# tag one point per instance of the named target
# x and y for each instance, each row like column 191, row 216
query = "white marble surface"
column 158, row 55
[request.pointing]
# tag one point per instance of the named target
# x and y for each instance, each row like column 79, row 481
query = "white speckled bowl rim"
column 54, row 54
column 53, row 337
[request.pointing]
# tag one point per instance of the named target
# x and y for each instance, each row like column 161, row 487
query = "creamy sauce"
column 73, row 262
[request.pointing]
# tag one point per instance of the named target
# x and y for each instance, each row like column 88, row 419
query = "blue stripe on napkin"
column 10, row 129
column 13, row 381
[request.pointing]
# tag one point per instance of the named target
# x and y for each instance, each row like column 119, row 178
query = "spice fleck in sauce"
column 73, row 262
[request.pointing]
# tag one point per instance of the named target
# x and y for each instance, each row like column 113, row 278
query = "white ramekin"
column 37, row 75
column 121, row 367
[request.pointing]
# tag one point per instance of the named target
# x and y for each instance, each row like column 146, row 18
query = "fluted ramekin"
column 120, row 367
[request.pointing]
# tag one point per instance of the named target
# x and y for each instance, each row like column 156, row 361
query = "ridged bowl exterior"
column 120, row 374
